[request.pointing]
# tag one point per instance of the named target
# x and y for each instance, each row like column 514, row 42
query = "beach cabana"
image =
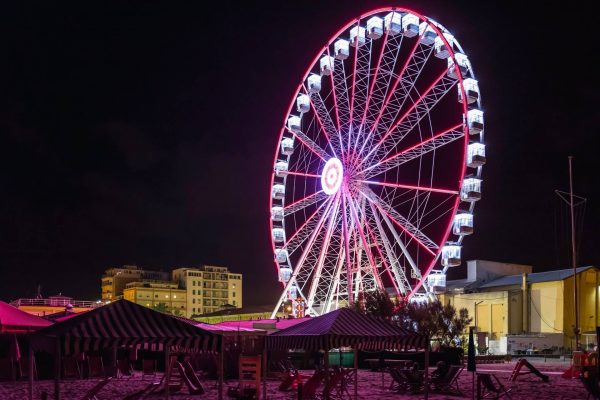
column 122, row 324
column 345, row 328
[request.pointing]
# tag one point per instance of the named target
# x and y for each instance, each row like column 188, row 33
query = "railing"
column 56, row 303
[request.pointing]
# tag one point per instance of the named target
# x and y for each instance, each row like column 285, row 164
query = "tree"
column 376, row 303
column 438, row 321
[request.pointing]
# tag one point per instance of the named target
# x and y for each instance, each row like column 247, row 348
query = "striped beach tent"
column 123, row 323
column 345, row 328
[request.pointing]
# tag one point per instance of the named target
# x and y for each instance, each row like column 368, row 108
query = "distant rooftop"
column 557, row 275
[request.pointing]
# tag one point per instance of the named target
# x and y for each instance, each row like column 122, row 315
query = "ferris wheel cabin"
column 374, row 28
column 314, row 83
column 293, row 124
column 277, row 213
column 278, row 191
column 287, row 146
column 393, row 23
column 303, row 103
column 326, row 65
column 451, row 255
column 475, row 155
column 475, row 121
column 341, row 49
column 471, row 190
column 427, row 33
column 281, row 168
column 278, row 235
column 462, row 61
column 463, row 224
column 441, row 50
column 410, row 25
column 357, row 35
column 471, row 91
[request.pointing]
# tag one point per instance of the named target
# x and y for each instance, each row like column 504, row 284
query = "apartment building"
column 116, row 279
column 157, row 294
column 209, row 288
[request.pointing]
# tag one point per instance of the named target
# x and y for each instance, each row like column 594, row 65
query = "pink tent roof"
column 14, row 320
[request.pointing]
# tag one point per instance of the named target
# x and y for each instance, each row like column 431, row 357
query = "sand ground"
column 372, row 385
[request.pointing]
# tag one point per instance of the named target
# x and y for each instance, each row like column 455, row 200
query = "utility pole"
column 574, row 255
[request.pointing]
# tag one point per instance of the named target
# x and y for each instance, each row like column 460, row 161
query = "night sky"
column 144, row 134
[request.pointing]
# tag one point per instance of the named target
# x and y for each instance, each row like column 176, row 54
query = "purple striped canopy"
column 123, row 323
column 345, row 328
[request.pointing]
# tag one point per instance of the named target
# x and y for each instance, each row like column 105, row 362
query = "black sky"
column 144, row 133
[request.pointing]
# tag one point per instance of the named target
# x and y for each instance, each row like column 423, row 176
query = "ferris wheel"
column 378, row 164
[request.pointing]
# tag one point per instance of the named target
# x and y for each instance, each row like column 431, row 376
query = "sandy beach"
column 372, row 385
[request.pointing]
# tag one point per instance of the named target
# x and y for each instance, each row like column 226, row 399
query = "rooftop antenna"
column 570, row 198
column 39, row 292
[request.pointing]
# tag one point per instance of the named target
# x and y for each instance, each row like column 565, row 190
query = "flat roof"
column 548, row 276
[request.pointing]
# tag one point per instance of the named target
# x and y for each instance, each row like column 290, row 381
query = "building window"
column 233, row 294
column 194, row 309
column 194, row 301
column 194, row 292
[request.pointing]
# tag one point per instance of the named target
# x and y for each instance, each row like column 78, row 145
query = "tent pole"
column 221, row 362
column 327, row 375
column 167, row 371
column 31, row 362
column 57, row 369
column 265, row 372
column 355, row 373
column 427, row 370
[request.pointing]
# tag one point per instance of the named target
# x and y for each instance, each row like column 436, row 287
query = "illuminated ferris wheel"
column 378, row 164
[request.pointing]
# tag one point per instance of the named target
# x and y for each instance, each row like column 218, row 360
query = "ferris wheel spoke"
column 309, row 144
column 418, row 150
column 304, row 202
column 395, row 99
column 430, row 91
column 420, row 110
column 411, row 187
column 386, row 267
column 303, row 232
column 365, row 243
column 421, row 238
column 325, row 122
column 321, row 259
column 303, row 174
column 360, row 84
column 340, row 95
column 398, row 272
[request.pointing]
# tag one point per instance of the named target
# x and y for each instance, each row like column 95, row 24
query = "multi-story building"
column 115, row 279
column 157, row 294
column 209, row 288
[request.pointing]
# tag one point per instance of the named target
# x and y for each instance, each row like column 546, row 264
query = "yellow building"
column 115, row 279
column 494, row 294
column 156, row 294
column 53, row 304
column 209, row 288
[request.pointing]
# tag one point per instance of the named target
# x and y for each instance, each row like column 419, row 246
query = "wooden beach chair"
column 192, row 376
column 24, row 368
column 141, row 394
column 309, row 388
column 487, row 389
column 91, row 394
column 449, row 382
column 194, row 386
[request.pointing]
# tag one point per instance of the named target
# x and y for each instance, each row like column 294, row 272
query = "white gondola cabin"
column 462, row 62
column 287, row 146
column 341, row 49
column 451, row 255
column 471, row 190
column 293, row 124
column 281, row 168
column 475, row 121
column 285, row 273
column 326, row 65
column 475, row 155
column 427, row 33
column 281, row 255
column 393, row 23
column 303, row 103
column 471, row 91
column 374, row 28
column 357, row 35
column 436, row 280
column 441, row 50
column 463, row 224
column 278, row 191
column 277, row 213
column 314, row 83
column 410, row 25
column 278, row 235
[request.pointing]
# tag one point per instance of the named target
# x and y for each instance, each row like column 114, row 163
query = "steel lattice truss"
column 380, row 147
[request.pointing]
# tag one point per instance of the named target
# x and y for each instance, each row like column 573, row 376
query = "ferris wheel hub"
column 332, row 176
